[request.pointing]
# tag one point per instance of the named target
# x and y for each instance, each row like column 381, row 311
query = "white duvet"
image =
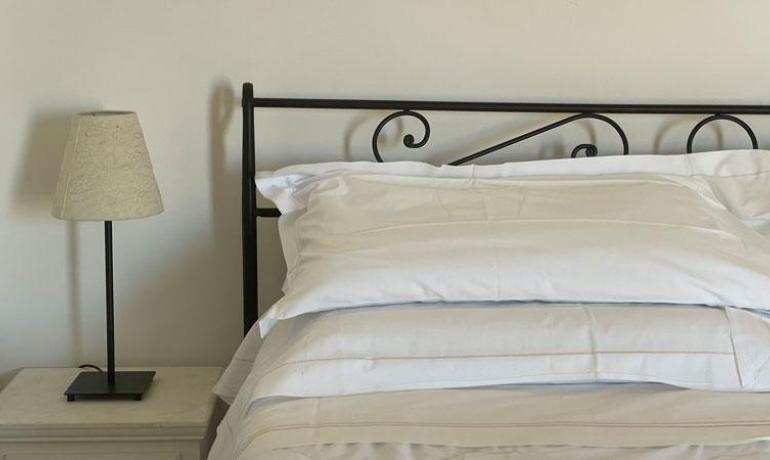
column 620, row 421
column 367, row 376
column 465, row 345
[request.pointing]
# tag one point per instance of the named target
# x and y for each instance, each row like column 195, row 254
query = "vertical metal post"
column 110, row 304
column 248, row 213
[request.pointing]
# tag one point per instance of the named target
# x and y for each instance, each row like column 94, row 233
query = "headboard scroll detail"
column 722, row 116
column 409, row 142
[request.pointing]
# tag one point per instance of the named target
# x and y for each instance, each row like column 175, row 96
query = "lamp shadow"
column 201, row 281
column 39, row 171
column 33, row 191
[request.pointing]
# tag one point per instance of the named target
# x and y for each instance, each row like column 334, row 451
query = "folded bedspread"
column 459, row 381
column 359, row 451
column 614, row 420
column 473, row 344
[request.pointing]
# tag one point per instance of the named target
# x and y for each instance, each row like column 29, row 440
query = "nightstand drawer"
column 75, row 454
column 119, row 450
column 113, row 450
column 92, row 456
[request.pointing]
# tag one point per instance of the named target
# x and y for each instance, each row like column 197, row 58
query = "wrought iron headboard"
column 251, row 211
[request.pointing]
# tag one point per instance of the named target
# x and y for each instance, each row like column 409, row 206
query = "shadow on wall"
column 203, row 276
column 43, row 152
column 36, row 183
column 226, row 206
column 225, row 185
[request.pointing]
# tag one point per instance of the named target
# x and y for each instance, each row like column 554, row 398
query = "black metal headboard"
column 250, row 210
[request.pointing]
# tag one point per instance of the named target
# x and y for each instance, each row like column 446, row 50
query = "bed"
column 610, row 307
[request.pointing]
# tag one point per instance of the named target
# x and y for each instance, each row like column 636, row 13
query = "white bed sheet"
column 740, row 178
column 636, row 421
column 623, row 421
column 413, row 347
column 759, row 450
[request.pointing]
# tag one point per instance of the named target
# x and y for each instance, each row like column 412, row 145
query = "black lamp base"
column 94, row 386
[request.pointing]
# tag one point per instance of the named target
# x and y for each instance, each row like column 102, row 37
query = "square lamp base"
column 94, row 386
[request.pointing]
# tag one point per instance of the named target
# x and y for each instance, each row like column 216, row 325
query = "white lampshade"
column 106, row 173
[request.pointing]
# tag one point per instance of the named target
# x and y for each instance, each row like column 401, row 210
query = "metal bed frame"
column 251, row 211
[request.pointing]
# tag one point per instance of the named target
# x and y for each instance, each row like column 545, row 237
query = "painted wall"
column 180, row 63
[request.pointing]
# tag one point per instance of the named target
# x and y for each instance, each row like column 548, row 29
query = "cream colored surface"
column 106, row 172
column 465, row 345
column 740, row 179
column 609, row 416
column 363, row 451
column 374, row 239
column 179, row 64
column 173, row 421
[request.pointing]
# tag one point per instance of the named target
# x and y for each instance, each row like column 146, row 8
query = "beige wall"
column 180, row 64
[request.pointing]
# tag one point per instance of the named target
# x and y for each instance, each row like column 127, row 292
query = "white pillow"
column 365, row 239
column 739, row 178
column 419, row 347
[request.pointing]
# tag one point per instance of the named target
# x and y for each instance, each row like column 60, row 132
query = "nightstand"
column 176, row 420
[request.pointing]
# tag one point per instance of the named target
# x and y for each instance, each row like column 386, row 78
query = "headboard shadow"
column 414, row 109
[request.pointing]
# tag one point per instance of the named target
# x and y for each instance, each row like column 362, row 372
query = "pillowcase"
column 739, row 178
column 464, row 345
column 369, row 239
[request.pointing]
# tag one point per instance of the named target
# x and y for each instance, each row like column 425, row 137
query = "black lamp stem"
column 117, row 385
column 110, row 305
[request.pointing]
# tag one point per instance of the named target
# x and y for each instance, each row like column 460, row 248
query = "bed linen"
column 370, row 239
column 649, row 421
column 740, row 178
column 759, row 450
column 518, row 380
column 412, row 347
column 304, row 410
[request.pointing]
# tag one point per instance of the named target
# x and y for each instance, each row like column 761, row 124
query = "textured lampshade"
column 106, row 173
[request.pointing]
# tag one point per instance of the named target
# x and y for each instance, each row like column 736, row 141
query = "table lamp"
column 106, row 175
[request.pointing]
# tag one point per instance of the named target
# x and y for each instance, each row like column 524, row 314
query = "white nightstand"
column 176, row 420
